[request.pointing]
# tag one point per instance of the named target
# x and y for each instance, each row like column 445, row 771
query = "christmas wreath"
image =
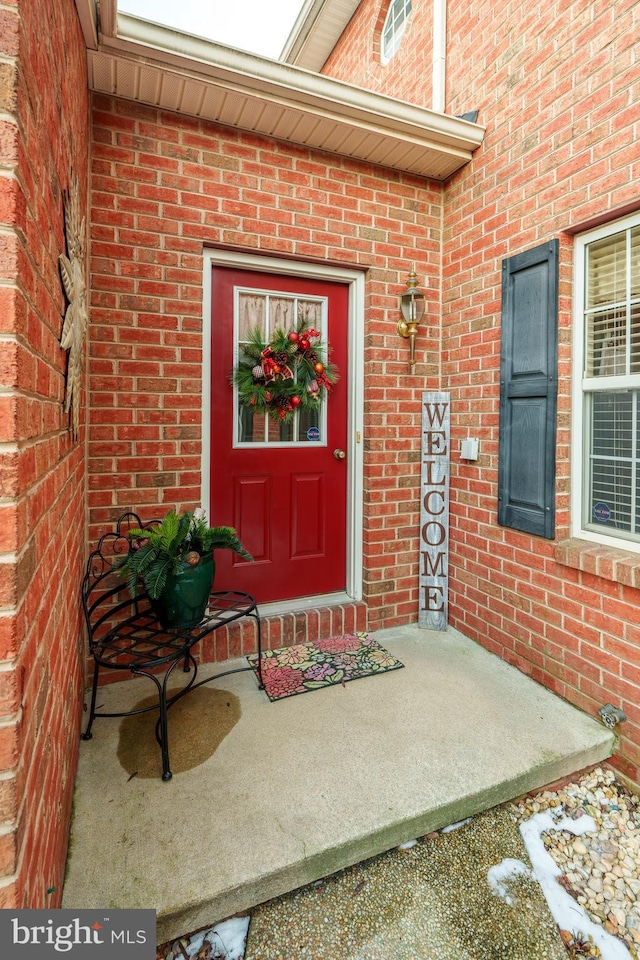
column 289, row 373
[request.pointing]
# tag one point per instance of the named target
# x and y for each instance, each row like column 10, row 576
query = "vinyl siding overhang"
column 162, row 67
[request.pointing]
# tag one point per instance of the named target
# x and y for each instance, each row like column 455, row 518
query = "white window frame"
column 581, row 527
column 395, row 24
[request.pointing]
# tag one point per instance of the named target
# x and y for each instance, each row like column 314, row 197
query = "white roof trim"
column 317, row 29
column 88, row 16
column 179, row 72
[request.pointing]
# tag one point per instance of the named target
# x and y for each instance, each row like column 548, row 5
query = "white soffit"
column 317, row 29
column 165, row 68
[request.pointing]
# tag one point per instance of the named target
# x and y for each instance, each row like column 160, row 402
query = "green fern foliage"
column 162, row 548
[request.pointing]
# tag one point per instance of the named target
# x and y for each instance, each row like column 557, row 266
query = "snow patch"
column 228, row 939
column 505, row 871
column 456, row 826
column 568, row 914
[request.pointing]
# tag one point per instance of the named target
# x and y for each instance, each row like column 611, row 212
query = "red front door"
column 282, row 486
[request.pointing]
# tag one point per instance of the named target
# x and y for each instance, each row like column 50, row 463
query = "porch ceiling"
column 141, row 61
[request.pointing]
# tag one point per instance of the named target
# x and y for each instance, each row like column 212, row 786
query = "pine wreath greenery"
column 289, row 373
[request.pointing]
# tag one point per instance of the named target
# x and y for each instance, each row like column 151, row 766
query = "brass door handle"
column 339, row 454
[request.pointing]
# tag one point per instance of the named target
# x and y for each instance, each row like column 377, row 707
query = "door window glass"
column 268, row 312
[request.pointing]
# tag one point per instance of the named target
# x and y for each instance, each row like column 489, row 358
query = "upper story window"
column 394, row 26
column 608, row 380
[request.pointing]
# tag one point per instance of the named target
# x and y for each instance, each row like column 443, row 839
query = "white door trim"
column 354, row 378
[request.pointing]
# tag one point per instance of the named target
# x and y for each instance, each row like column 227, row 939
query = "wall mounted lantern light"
column 412, row 307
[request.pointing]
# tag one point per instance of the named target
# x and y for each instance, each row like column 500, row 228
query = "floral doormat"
column 322, row 663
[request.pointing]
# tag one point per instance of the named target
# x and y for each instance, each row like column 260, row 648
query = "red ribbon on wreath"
column 272, row 369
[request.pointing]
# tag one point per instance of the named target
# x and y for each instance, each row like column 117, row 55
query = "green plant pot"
column 184, row 599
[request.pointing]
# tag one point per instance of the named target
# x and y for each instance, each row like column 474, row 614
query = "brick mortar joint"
column 8, row 231
column 6, row 57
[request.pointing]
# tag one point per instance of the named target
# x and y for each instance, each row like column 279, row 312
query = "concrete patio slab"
column 266, row 797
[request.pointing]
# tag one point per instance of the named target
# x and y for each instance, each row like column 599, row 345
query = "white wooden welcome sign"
column 434, row 511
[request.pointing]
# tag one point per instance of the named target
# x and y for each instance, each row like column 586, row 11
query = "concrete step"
column 266, row 797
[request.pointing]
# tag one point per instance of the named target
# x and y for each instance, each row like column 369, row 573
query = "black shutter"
column 528, row 391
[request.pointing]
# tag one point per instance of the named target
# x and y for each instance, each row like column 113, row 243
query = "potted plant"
column 174, row 560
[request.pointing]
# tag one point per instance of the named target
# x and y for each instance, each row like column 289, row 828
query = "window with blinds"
column 611, row 383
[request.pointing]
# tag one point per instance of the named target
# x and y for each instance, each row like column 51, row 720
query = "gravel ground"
column 600, row 869
column 431, row 901
column 434, row 901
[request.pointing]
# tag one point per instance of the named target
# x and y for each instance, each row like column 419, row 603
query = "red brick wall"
column 557, row 87
column 409, row 73
column 43, row 135
column 162, row 188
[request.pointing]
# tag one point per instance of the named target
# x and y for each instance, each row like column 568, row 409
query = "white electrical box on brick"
column 469, row 449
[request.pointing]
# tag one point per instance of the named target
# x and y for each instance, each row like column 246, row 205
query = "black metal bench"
column 124, row 632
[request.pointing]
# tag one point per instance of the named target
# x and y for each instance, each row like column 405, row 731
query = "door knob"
column 339, row 454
